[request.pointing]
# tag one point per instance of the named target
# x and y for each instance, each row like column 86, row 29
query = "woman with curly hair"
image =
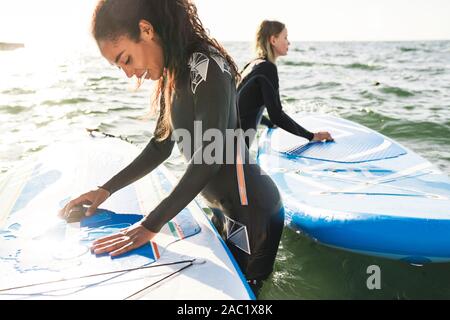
column 165, row 41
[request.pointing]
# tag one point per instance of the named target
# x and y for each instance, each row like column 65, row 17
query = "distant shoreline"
column 11, row 46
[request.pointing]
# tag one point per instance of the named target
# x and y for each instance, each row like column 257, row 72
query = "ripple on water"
column 13, row 109
column 65, row 101
column 363, row 66
column 399, row 92
column 406, row 49
column 298, row 63
column 18, row 91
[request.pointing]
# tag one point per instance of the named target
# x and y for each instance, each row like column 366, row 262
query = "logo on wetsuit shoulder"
column 199, row 64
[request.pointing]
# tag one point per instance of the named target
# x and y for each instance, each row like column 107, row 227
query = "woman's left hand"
column 128, row 239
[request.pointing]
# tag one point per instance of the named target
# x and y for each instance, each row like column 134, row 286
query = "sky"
column 331, row 20
column 67, row 21
column 55, row 21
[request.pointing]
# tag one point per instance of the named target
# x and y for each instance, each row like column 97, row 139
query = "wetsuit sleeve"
column 155, row 153
column 211, row 108
column 270, row 91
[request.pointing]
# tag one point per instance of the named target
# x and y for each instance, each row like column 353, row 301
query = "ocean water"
column 401, row 89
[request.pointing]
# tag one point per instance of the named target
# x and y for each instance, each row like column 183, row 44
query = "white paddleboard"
column 364, row 192
column 43, row 257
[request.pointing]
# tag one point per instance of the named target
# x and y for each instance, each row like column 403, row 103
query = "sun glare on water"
column 52, row 31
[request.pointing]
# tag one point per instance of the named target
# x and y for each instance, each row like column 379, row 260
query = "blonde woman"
column 259, row 87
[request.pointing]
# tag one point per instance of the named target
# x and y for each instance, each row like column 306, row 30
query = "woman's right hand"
column 323, row 136
column 93, row 198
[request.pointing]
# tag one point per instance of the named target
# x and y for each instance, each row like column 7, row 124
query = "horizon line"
column 14, row 42
column 305, row 40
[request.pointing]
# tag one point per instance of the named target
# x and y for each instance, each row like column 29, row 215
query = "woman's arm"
column 155, row 153
column 211, row 108
column 270, row 90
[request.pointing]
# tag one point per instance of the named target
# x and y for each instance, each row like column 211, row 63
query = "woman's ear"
column 147, row 31
column 273, row 40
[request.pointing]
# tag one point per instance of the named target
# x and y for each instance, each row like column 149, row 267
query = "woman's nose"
column 128, row 73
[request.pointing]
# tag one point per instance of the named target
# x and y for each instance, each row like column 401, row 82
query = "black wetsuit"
column 259, row 89
column 253, row 231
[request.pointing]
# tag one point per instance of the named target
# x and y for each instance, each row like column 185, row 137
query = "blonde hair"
column 266, row 30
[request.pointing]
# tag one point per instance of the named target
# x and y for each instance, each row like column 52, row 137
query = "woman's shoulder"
column 260, row 67
column 203, row 64
column 200, row 60
column 266, row 65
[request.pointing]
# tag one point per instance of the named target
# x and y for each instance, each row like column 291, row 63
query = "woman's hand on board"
column 120, row 243
column 92, row 198
column 322, row 136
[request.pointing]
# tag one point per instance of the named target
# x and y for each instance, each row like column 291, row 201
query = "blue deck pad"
column 106, row 223
column 344, row 151
column 355, row 146
column 104, row 218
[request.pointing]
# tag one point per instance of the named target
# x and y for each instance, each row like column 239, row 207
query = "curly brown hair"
column 180, row 31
